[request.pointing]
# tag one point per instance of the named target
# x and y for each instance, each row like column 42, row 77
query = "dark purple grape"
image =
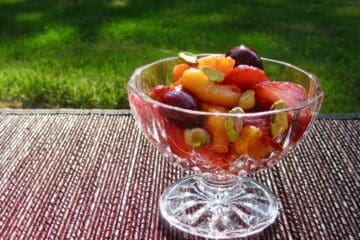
column 245, row 56
column 179, row 98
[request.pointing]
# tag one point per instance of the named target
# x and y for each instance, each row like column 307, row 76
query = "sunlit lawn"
column 80, row 54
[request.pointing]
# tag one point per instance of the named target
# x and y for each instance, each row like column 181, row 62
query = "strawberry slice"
column 245, row 77
column 303, row 121
column 158, row 92
column 268, row 92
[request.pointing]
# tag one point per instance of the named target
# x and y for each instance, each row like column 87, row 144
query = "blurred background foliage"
column 81, row 53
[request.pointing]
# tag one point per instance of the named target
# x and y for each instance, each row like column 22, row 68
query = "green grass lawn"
column 80, row 54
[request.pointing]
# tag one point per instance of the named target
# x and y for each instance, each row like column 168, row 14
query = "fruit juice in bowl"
column 222, row 117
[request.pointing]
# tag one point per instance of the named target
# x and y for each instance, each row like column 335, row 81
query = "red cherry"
column 245, row 77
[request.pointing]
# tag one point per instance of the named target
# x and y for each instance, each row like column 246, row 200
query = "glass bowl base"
column 200, row 207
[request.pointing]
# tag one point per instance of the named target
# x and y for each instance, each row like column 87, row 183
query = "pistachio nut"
column 279, row 121
column 233, row 125
column 247, row 100
column 196, row 137
column 213, row 74
column 188, row 57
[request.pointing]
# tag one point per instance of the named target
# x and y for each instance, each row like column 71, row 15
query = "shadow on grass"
column 321, row 36
column 22, row 19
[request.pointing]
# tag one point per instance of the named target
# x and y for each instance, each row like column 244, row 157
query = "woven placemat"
column 94, row 176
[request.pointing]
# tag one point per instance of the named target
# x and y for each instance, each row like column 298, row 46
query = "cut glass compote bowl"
column 219, row 201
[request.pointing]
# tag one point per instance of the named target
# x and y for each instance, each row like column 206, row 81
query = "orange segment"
column 179, row 70
column 221, row 63
column 250, row 143
column 216, row 126
column 197, row 83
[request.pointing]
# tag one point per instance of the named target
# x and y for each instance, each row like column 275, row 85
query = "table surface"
column 71, row 174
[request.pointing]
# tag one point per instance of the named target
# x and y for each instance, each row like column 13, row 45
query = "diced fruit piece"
column 245, row 56
column 196, row 137
column 213, row 108
column 180, row 98
column 158, row 92
column 245, row 77
column 195, row 81
column 175, row 84
column 179, row 70
column 303, row 123
column 268, row 92
column 218, row 160
column 216, row 126
column 176, row 141
column 278, row 121
column 213, row 74
column 188, row 57
column 264, row 125
column 268, row 140
column 260, row 122
column 248, row 136
column 250, row 143
column 233, row 125
column 247, row 100
column 221, row 63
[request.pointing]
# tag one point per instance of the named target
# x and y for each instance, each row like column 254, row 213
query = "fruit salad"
column 229, row 88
